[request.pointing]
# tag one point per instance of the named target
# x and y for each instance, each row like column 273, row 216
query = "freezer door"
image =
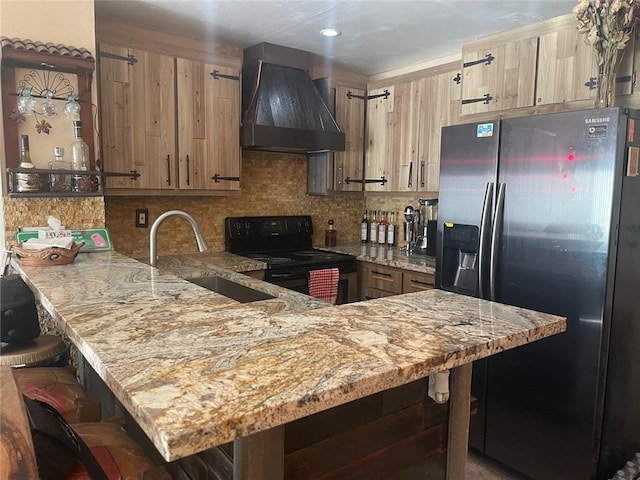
column 553, row 256
column 468, row 167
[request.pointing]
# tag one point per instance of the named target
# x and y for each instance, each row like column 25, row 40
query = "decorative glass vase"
column 606, row 90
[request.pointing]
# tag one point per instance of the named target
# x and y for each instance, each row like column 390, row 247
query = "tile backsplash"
column 271, row 184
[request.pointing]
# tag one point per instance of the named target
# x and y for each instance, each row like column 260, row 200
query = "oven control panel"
column 257, row 228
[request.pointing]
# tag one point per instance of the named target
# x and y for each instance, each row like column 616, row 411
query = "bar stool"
column 59, row 388
column 118, row 455
column 45, row 350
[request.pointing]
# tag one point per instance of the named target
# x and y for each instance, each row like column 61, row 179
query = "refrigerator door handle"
column 484, row 231
column 497, row 228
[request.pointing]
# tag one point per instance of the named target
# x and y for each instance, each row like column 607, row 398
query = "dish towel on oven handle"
column 323, row 284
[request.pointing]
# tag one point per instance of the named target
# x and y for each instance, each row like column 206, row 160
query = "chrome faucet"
column 153, row 234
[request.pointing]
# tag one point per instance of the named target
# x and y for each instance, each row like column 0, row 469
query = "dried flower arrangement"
column 608, row 26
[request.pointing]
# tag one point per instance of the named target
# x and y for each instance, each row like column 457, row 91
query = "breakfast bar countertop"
column 196, row 369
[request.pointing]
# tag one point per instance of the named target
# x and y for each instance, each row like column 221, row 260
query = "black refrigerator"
column 543, row 212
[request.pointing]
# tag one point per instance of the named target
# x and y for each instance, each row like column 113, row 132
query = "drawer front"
column 384, row 278
column 417, row 282
column 371, row 293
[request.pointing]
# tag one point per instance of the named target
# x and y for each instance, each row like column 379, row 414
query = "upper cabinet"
column 546, row 64
column 349, row 114
column 137, row 95
column 404, row 120
column 381, row 131
column 498, row 76
column 208, row 126
column 175, row 121
column 567, row 68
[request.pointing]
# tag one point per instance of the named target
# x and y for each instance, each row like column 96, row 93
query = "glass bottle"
column 373, row 228
column 79, row 160
column 391, row 230
column 364, row 231
column 382, row 229
column 330, row 235
column 59, row 182
column 26, row 182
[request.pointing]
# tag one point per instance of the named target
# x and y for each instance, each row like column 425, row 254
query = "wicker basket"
column 47, row 256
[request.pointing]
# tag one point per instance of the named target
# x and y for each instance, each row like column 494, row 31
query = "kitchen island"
column 196, row 370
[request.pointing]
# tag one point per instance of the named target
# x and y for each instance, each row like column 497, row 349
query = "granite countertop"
column 390, row 256
column 196, row 370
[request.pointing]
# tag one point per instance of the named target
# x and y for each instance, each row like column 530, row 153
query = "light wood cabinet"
column 170, row 120
column 381, row 131
column 567, row 68
column 403, row 131
column 208, row 126
column 498, row 76
column 349, row 114
column 138, row 117
column 377, row 281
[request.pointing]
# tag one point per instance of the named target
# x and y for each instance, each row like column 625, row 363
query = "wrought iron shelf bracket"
column 217, row 178
column 130, row 59
column 484, row 99
column 381, row 180
column 217, row 76
column 482, row 61
column 385, row 95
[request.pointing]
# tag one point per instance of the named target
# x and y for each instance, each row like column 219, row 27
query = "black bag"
column 18, row 314
column 58, row 448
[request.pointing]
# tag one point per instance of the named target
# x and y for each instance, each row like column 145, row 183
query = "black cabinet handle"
column 188, row 173
column 168, row 169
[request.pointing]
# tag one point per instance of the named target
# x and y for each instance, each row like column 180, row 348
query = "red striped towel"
column 323, row 284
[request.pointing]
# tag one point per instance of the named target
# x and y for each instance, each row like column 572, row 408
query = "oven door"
column 299, row 281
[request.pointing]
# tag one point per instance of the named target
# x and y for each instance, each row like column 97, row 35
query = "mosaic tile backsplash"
column 271, row 184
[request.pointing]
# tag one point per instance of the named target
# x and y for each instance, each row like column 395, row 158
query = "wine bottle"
column 364, row 231
column 26, row 182
column 391, row 230
column 373, row 228
column 382, row 229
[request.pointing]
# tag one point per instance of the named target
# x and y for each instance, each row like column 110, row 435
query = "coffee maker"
column 426, row 226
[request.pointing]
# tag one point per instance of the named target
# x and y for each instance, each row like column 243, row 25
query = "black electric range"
column 284, row 243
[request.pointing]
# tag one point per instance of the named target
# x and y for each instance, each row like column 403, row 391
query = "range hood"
column 282, row 109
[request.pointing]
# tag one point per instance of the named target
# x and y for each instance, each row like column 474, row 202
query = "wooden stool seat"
column 118, row 455
column 42, row 351
column 58, row 387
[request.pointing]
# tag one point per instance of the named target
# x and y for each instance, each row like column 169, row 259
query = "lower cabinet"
column 378, row 281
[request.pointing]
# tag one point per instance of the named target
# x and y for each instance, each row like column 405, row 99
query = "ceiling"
column 377, row 36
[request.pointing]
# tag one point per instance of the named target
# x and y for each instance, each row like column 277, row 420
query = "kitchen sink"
column 230, row 289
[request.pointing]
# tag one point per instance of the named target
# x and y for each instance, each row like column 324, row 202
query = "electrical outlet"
column 142, row 217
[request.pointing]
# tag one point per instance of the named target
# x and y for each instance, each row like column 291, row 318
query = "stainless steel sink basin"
column 230, row 289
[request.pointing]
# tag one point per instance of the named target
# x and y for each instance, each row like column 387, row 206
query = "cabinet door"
column 208, row 126
column 349, row 114
column 441, row 109
column 408, row 153
column 509, row 79
column 138, row 118
column 567, row 68
column 380, row 137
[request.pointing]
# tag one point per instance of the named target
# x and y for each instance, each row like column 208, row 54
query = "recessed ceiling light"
column 330, row 32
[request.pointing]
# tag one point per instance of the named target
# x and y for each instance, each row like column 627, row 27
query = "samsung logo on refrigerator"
column 589, row 121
